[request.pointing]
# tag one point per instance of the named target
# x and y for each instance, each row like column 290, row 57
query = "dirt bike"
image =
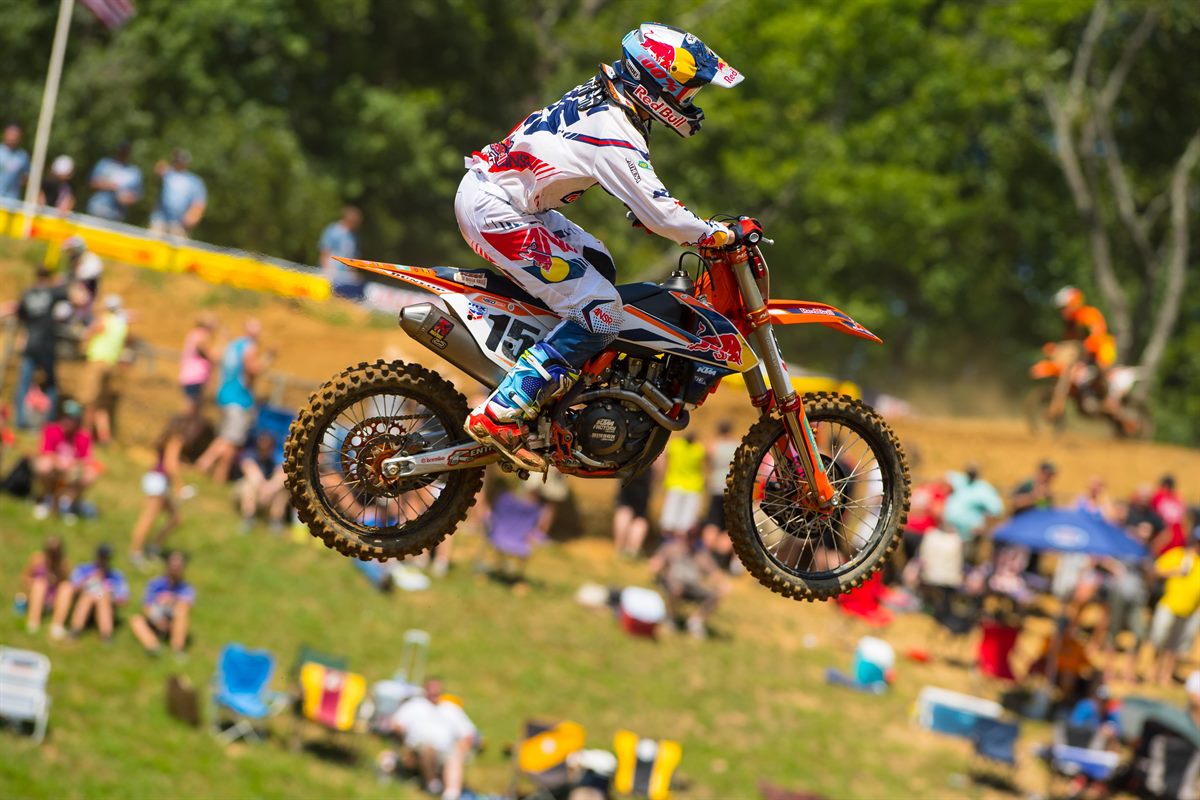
column 1065, row 378
column 379, row 466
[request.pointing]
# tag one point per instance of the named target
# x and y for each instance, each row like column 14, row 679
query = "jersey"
column 585, row 139
column 1087, row 324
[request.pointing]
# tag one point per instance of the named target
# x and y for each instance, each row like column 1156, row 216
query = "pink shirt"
column 193, row 368
column 54, row 440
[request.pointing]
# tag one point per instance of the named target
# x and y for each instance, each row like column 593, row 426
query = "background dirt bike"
column 1046, row 403
column 379, row 466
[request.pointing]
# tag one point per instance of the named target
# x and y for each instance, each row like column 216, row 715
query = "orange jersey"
column 1086, row 323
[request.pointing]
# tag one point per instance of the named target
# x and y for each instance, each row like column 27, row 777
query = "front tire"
column 334, row 447
column 800, row 553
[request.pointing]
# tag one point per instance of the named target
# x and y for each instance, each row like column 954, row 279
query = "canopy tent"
column 1069, row 531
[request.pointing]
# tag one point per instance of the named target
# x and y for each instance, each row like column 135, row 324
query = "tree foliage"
column 900, row 151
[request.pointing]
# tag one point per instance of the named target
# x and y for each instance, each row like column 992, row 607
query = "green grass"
column 748, row 705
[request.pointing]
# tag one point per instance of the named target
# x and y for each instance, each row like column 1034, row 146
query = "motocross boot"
column 539, row 377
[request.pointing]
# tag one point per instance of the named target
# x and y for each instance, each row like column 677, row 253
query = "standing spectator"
column 57, row 191
column 104, row 342
column 262, row 483
column 339, row 239
column 166, row 609
column 240, row 365
column 939, row 569
column 195, row 363
column 684, row 483
column 159, row 485
column 182, row 198
column 972, row 503
column 1177, row 617
column 720, row 457
column 116, row 184
column 14, row 164
column 1096, row 500
column 631, row 518
column 45, row 582
column 925, row 509
column 1168, row 505
column 517, row 520
column 1037, row 492
column 99, row 590
column 84, row 269
column 42, row 309
column 63, row 469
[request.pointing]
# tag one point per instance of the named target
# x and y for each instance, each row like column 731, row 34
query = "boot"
column 540, row 376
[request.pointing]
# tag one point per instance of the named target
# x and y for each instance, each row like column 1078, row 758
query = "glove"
column 746, row 231
column 637, row 223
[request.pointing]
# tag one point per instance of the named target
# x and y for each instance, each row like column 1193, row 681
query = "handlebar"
column 752, row 240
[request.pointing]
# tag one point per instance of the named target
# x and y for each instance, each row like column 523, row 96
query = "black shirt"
column 37, row 311
column 55, row 190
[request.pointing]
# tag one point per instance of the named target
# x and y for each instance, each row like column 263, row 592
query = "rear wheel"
column 796, row 550
column 335, row 448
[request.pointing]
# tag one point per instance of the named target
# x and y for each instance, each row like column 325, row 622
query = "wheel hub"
column 368, row 445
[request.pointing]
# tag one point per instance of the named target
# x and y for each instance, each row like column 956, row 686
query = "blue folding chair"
column 240, row 690
column 276, row 422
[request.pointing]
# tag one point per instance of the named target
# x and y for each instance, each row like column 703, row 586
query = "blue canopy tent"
column 1069, row 531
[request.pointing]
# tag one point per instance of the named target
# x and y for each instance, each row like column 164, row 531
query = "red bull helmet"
column 662, row 70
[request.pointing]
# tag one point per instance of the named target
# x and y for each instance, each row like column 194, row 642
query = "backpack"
column 19, row 482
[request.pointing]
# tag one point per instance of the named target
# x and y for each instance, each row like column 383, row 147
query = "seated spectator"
column 939, row 573
column 63, row 469
column 518, row 520
column 166, row 609
column 438, row 737
column 690, row 577
column 44, row 582
column 972, row 504
column 262, row 483
column 1176, row 619
column 99, row 590
column 160, row 485
column 1096, row 500
column 1096, row 711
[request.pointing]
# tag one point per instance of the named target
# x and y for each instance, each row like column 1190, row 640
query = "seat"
column 995, row 743
column 540, row 758
column 23, row 696
column 240, row 690
column 330, row 697
column 645, row 766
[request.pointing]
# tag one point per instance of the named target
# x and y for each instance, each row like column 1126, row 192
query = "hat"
column 1048, row 466
column 62, row 166
column 104, row 552
column 72, row 409
column 113, row 302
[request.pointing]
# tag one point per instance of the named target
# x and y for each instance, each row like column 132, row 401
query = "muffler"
column 445, row 333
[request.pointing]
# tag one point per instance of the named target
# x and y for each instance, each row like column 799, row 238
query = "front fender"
column 799, row 312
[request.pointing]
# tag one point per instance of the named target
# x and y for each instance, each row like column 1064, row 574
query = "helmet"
column 662, row 69
column 74, row 244
column 1068, row 298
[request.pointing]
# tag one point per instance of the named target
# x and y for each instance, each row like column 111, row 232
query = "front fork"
column 790, row 406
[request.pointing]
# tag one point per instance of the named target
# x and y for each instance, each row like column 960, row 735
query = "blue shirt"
column 970, row 503
column 234, row 389
column 339, row 240
column 161, row 592
column 88, row 577
column 14, row 165
column 127, row 177
column 180, row 191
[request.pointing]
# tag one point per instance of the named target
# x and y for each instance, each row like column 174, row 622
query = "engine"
column 610, row 430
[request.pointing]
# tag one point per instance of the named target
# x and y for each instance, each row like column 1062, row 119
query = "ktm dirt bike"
column 378, row 464
column 1065, row 378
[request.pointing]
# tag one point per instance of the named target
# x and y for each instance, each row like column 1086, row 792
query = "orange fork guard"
column 799, row 312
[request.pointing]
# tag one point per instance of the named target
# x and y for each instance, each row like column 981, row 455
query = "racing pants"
column 552, row 259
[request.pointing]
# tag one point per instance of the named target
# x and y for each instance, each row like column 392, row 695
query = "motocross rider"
column 597, row 133
column 1095, row 373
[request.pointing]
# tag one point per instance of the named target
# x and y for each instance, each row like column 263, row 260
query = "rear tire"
column 303, row 478
column 741, row 499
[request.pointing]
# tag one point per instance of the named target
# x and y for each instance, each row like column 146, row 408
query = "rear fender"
column 800, row 312
column 1045, row 368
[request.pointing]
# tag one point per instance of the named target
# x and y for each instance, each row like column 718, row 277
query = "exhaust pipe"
column 443, row 332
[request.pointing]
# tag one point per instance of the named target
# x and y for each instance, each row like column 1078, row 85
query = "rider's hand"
column 745, row 231
column 637, row 223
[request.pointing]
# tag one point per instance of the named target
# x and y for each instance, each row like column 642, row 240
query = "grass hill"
column 748, row 705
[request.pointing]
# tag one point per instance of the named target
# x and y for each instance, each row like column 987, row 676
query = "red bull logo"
column 663, row 53
column 725, row 347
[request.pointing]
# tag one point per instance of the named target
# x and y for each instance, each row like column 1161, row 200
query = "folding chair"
column 1165, row 765
column 995, row 743
column 331, row 698
column 645, row 766
column 540, row 759
column 23, row 696
column 240, row 689
column 414, row 653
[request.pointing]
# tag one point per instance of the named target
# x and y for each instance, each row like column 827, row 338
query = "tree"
column 1150, row 213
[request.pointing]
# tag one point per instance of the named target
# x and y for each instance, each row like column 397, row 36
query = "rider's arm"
column 630, row 178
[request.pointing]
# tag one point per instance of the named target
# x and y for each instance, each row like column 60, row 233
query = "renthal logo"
column 469, row 454
column 660, row 107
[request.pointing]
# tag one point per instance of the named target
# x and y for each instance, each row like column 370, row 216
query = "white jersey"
column 561, row 151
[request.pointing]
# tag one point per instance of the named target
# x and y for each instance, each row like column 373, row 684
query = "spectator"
column 45, row 583
column 56, row 191
column 104, row 343
column 14, row 164
column 262, row 483
column 1037, row 492
column 972, row 504
column 159, row 485
column 925, row 509
column 1126, row 601
column 684, row 483
column 438, row 736
column 1177, row 616
column 518, row 520
column 42, row 309
column 1168, row 505
column 690, row 577
column 84, row 269
column 1096, row 500
column 166, row 609
column 1095, row 711
column 63, row 469
column 339, row 239
column 939, row 568
column 99, row 590
column 631, row 518
column 240, row 365
column 195, row 364
column 182, row 198
column 1192, row 685
column 714, row 534
column 116, row 184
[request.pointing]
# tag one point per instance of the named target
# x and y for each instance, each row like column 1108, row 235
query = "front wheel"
column 793, row 548
column 336, row 446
